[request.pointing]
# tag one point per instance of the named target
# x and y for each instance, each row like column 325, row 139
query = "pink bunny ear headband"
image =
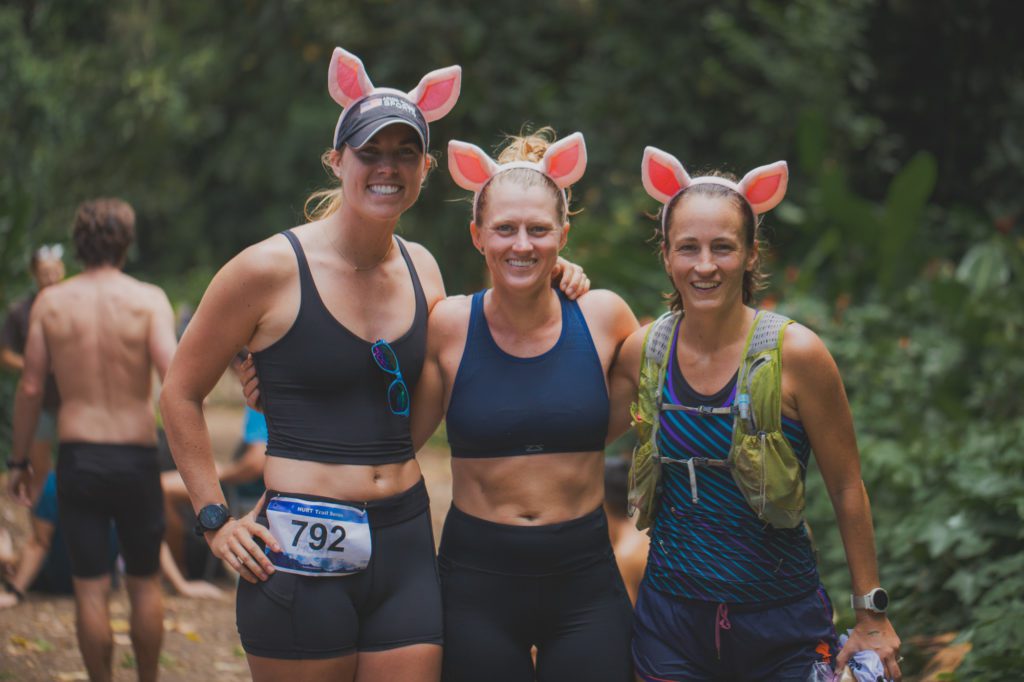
column 664, row 177
column 564, row 163
column 369, row 109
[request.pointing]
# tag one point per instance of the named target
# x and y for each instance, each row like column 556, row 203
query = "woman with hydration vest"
column 731, row 403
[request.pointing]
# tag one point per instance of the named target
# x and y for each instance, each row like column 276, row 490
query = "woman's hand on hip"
column 235, row 543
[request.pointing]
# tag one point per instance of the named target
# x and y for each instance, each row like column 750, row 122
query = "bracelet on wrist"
column 17, row 464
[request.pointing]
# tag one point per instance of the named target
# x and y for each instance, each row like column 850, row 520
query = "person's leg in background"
column 92, row 620
column 147, row 622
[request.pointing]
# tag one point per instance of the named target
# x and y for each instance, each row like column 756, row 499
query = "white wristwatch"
column 877, row 600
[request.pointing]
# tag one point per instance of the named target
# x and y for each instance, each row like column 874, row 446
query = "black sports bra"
column 324, row 397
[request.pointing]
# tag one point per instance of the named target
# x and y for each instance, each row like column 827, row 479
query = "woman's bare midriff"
column 529, row 490
column 348, row 482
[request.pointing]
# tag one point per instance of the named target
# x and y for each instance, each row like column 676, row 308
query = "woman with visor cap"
column 349, row 580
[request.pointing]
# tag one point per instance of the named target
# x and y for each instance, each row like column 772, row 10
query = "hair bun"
column 529, row 147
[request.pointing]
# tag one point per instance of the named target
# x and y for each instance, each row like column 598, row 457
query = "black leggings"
column 509, row 588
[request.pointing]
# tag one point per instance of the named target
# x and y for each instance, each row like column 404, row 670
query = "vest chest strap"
column 692, row 464
column 702, row 410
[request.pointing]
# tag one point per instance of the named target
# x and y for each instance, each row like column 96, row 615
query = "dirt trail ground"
column 37, row 637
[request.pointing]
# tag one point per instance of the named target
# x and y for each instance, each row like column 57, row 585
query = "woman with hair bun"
column 522, row 374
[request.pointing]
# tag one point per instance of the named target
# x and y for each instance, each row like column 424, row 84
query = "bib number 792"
column 318, row 535
column 319, row 538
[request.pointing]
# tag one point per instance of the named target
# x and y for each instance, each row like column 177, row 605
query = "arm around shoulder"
column 429, row 400
column 624, row 381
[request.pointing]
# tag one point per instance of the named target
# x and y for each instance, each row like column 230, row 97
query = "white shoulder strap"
column 660, row 337
column 766, row 332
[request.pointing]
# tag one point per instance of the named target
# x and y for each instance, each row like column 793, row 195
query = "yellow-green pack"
column 761, row 460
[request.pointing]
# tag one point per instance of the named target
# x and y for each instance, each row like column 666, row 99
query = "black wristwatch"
column 211, row 517
column 877, row 601
column 21, row 464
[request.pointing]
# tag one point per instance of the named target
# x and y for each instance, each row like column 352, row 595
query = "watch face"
column 880, row 599
column 212, row 516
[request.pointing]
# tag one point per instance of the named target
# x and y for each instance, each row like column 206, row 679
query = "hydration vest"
column 761, row 460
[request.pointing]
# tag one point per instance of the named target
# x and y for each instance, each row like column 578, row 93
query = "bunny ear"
column 346, row 78
column 469, row 165
column 765, row 186
column 663, row 175
column 437, row 92
column 566, row 160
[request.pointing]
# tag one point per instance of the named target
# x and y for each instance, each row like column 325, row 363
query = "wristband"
column 12, row 464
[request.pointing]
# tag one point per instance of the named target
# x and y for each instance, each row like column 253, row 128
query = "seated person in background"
column 630, row 544
column 45, row 567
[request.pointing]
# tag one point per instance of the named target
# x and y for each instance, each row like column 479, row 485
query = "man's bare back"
column 104, row 334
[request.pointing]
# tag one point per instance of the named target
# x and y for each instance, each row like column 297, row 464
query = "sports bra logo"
column 535, row 448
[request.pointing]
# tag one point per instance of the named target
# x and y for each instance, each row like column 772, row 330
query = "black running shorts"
column 394, row 602
column 98, row 483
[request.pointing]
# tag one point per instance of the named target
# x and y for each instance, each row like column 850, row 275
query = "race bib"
column 320, row 539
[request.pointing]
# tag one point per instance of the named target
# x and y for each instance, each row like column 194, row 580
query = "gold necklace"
column 334, row 245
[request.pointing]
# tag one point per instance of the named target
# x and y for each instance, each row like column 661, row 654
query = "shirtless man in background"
column 102, row 333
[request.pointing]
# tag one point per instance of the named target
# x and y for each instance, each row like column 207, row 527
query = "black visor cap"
column 365, row 118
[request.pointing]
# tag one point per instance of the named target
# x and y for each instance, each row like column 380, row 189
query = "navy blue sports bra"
column 503, row 405
column 324, row 397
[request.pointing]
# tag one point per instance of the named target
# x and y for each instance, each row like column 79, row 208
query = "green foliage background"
column 899, row 241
